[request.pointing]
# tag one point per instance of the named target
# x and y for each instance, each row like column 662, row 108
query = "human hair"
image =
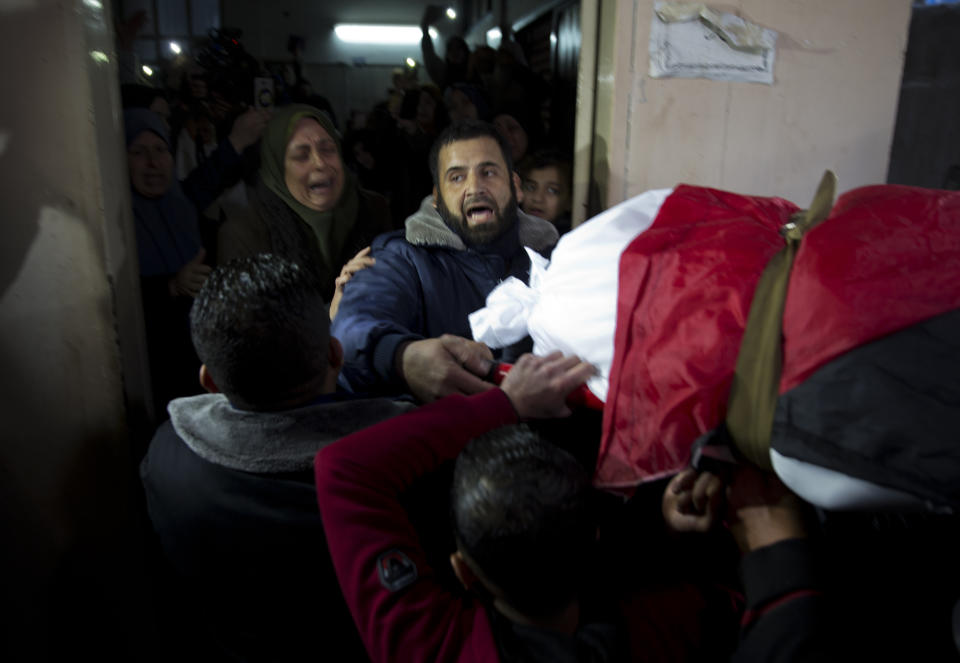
column 261, row 327
column 466, row 130
column 521, row 515
column 545, row 159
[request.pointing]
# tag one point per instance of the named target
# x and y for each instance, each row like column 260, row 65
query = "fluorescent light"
column 147, row 70
column 451, row 13
column 175, row 47
column 433, row 32
column 99, row 56
column 493, row 37
column 356, row 33
column 411, row 63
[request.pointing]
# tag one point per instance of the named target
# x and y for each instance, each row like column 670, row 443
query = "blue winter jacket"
column 425, row 283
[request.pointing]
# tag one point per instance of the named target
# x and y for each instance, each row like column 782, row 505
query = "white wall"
column 67, row 286
column 833, row 104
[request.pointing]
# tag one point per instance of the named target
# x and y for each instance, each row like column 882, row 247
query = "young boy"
column 546, row 188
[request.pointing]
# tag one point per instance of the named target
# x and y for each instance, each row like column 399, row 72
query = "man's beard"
column 484, row 233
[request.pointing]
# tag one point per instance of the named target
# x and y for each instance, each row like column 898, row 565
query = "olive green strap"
column 756, row 381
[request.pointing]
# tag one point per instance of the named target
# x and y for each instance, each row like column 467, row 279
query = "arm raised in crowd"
column 223, row 168
column 433, row 62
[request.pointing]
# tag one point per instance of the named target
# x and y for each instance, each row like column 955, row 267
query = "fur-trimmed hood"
column 425, row 227
column 272, row 442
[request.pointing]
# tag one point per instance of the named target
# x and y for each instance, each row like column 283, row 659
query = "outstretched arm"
column 436, row 367
column 786, row 619
column 399, row 607
column 224, row 167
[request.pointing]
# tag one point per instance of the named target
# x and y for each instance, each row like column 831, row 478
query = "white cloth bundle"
column 503, row 321
column 571, row 306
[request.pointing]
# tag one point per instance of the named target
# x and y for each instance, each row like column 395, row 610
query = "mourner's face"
column 150, row 164
column 313, row 171
column 477, row 193
column 514, row 133
column 545, row 193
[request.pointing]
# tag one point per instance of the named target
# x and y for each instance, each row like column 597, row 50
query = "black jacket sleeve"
column 786, row 620
column 213, row 176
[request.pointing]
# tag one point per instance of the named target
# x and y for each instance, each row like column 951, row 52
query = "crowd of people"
column 350, row 483
column 225, row 180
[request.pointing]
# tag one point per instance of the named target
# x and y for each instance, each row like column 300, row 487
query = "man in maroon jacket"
column 403, row 612
column 522, row 528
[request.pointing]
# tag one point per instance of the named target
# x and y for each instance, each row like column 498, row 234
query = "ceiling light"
column 494, row 36
column 147, row 70
column 411, row 63
column 99, row 56
column 433, row 32
column 175, row 47
column 451, row 13
column 356, row 33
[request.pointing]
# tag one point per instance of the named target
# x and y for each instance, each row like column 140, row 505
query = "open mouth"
column 321, row 186
column 479, row 213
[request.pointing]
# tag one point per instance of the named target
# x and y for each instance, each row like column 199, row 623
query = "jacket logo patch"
column 396, row 570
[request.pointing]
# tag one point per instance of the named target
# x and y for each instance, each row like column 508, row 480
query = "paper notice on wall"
column 690, row 40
